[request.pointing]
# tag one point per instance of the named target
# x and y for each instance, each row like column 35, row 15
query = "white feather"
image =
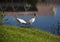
column 21, row 20
column 24, row 22
column 31, row 20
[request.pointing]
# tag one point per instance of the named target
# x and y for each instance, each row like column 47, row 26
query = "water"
column 46, row 23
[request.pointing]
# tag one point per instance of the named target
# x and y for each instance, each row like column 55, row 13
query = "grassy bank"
column 17, row 34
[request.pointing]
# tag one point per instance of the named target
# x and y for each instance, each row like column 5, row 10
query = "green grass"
column 17, row 34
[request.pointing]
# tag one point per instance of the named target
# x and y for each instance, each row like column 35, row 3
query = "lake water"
column 46, row 23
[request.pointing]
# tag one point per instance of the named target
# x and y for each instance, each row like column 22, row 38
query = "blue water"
column 46, row 23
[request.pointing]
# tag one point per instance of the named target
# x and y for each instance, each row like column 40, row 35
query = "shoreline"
column 43, row 9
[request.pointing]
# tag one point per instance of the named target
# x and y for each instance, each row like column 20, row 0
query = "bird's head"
column 34, row 14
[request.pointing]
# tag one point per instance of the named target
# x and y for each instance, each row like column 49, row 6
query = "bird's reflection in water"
column 26, row 26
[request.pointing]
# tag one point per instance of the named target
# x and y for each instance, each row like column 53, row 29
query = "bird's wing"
column 31, row 20
column 21, row 20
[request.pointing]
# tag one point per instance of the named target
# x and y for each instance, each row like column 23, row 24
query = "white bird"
column 29, row 22
column 21, row 21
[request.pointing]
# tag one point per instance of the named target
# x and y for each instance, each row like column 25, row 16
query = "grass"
column 18, row 34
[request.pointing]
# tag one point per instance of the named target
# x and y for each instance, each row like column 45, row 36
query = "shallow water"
column 46, row 23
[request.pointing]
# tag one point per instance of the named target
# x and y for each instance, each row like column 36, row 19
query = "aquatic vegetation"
column 1, row 17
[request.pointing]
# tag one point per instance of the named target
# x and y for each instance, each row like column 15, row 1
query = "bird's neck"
column 34, row 16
